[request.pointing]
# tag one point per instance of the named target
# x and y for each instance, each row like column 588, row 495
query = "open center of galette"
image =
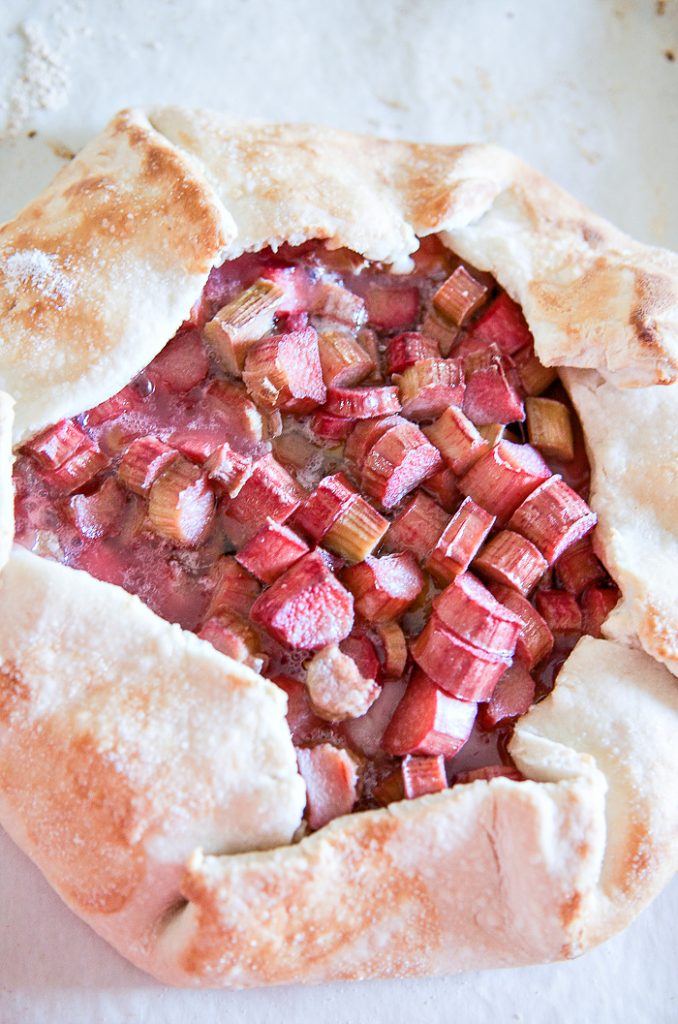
column 363, row 485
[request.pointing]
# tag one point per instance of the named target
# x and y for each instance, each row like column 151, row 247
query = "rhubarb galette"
column 303, row 673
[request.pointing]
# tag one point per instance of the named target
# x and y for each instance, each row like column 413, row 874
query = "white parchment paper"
column 588, row 91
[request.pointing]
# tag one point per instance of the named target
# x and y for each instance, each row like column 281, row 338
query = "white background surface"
column 584, row 90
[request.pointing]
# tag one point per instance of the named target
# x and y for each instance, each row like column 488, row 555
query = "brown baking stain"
column 570, row 909
column 14, row 690
column 670, row 55
column 637, row 857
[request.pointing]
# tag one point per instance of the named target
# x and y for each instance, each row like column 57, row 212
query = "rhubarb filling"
column 363, row 485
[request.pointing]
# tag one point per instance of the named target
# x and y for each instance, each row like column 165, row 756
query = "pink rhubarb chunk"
column 362, row 403
column 512, row 697
column 553, row 517
column 268, row 491
column 399, row 460
column 337, row 688
column 306, row 608
column 459, row 542
column 406, row 349
column 468, row 609
column 284, row 372
column 428, row 721
column 331, row 782
column 423, row 775
column 384, row 588
column 503, row 324
column 392, row 309
column 272, row 551
column 465, row 671
column 535, row 640
column 503, row 477
column 417, row 527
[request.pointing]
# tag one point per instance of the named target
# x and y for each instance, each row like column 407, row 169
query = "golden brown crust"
column 90, row 782
column 98, row 271
column 594, row 297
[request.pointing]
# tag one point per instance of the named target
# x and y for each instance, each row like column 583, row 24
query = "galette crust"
column 125, row 743
column 593, row 296
column 482, row 875
column 138, row 766
column 100, row 270
column 632, row 440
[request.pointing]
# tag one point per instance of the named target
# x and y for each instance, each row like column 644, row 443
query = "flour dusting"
column 42, row 81
column 38, row 270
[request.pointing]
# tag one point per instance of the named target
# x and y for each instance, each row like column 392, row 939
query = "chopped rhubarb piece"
column 271, row 551
column 468, row 609
column 331, row 782
column 284, row 372
column 57, row 444
column 359, row 647
column 356, row 531
column 393, row 649
column 503, row 477
column 490, row 397
column 459, row 668
column 443, row 487
column 535, row 378
column 235, row 638
column 234, row 590
column 460, row 296
column 367, row 339
column 301, row 719
column 181, row 503
column 392, row 309
column 143, row 462
column 228, row 469
column 331, row 428
column 295, row 284
column 80, row 468
column 429, row 721
column 423, row 775
column 397, row 463
column 362, row 403
column 432, row 257
column 306, row 608
column 337, row 688
column 459, row 542
column 333, row 496
column 272, row 424
column 344, row 362
column 335, row 302
column 125, row 401
column 549, row 428
column 489, row 772
column 406, row 349
column 364, row 435
column 559, row 610
column 511, row 560
column 239, row 414
column 492, row 433
column 596, row 604
column 513, row 696
column 269, row 490
column 384, row 588
column 535, row 640
column 429, row 386
column 244, row 320
column 99, row 514
column 503, row 324
column 457, row 440
column 440, row 330
column 578, row 567
column 182, row 364
column 417, row 527
column 553, row 517
column 196, row 445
